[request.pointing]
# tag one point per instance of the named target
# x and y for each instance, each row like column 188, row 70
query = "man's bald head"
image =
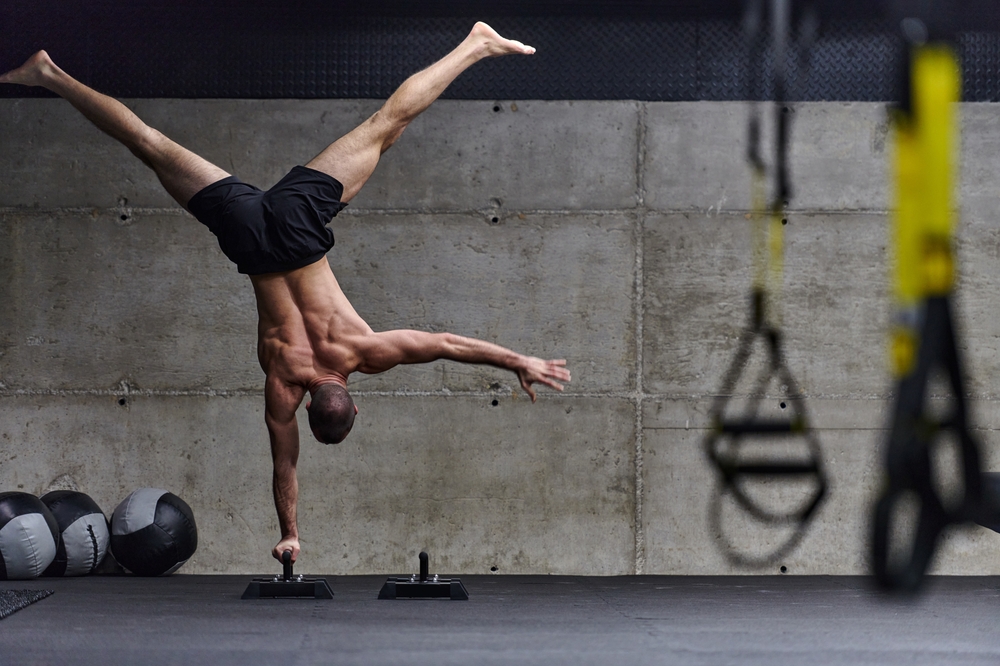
column 331, row 413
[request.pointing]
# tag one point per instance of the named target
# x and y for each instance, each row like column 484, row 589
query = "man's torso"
column 306, row 326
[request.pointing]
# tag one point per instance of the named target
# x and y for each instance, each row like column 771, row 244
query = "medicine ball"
column 28, row 536
column 84, row 532
column 153, row 532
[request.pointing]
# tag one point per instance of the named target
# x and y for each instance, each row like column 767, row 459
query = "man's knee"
column 148, row 146
column 388, row 126
column 141, row 155
column 392, row 137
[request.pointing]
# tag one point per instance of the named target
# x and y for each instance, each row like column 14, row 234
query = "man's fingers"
column 282, row 546
column 559, row 373
column 526, row 385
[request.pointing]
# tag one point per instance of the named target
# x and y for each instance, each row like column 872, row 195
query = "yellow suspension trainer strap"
column 923, row 337
column 737, row 471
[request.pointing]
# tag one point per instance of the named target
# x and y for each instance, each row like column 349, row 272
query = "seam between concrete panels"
column 639, row 532
column 640, row 157
column 126, row 388
column 637, row 399
column 352, row 212
column 629, row 395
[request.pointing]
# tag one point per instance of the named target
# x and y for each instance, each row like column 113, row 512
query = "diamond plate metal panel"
column 268, row 52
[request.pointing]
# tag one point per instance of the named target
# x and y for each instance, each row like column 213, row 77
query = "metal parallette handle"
column 423, row 567
column 286, row 564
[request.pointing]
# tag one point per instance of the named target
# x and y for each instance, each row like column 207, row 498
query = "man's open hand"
column 543, row 372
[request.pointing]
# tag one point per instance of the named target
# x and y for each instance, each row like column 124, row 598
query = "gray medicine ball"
column 153, row 532
column 28, row 536
column 83, row 530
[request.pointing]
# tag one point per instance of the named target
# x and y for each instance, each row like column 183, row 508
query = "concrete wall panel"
column 679, row 486
column 153, row 301
column 56, row 158
column 526, row 155
column 95, row 301
column 541, row 488
column 834, row 306
column 620, row 243
column 457, row 156
column 696, row 156
column 212, row 452
column 980, row 162
column 556, row 287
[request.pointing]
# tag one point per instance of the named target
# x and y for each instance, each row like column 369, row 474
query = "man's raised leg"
column 353, row 157
column 181, row 172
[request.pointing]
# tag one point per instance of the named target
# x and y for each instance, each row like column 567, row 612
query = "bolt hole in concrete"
column 124, row 217
column 496, row 108
column 784, row 220
column 495, row 403
column 782, row 405
column 495, row 220
column 783, row 569
column 122, row 401
column 494, row 569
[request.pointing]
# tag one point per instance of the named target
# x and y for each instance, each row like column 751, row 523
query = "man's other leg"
column 353, row 157
column 182, row 173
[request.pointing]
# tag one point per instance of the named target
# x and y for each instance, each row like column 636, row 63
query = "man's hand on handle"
column 291, row 543
column 543, row 372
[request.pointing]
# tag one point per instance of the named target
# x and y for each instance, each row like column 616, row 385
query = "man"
column 309, row 336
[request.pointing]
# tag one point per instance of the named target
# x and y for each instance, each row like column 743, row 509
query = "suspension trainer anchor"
column 724, row 443
column 924, row 335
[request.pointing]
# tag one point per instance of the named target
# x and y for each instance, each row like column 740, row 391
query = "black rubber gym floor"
column 507, row 620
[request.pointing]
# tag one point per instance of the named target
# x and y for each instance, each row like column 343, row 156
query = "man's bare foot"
column 31, row 73
column 486, row 37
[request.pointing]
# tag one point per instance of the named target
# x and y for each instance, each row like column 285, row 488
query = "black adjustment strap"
column 909, row 463
column 761, row 427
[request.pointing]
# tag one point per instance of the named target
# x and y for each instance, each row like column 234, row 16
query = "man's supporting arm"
column 281, row 401
column 388, row 349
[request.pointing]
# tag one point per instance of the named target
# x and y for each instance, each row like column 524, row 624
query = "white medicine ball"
column 28, row 536
column 83, row 530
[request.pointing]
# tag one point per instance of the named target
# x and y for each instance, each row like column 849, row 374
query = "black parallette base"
column 297, row 588
column 288, row 585
column 432, row 588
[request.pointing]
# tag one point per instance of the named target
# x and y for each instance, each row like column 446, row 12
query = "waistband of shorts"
column 263, row 268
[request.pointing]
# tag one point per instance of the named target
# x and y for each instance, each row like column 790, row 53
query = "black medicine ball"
column 153, row 532
column 28, row 536
column 84, row 532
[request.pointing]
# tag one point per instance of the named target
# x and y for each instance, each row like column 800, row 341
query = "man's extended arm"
column 388, row 349
column 280, row 402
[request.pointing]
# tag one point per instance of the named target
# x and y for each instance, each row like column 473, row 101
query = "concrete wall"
column 620, row 243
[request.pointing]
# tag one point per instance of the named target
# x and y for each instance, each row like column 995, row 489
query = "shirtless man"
column 309, row 336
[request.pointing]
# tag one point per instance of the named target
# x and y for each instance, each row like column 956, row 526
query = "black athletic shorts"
column 281, row 229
